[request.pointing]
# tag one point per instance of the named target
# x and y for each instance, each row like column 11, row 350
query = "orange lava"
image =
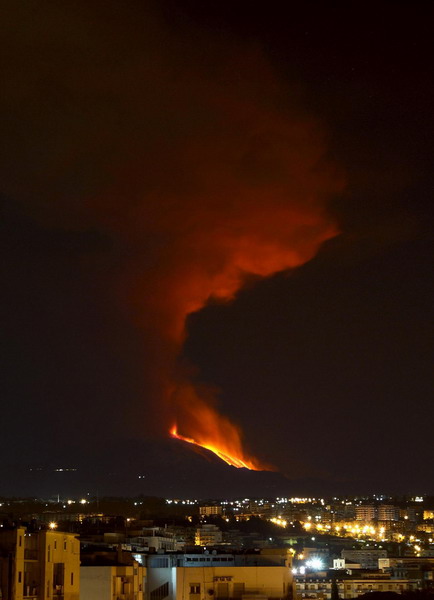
column 222, row 453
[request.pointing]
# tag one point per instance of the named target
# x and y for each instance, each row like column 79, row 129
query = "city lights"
column 279, row 521
column 315, row 563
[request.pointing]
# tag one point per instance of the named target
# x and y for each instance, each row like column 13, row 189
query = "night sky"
column 149, row 150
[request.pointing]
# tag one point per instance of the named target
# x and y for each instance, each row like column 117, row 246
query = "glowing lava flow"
column 234, row 461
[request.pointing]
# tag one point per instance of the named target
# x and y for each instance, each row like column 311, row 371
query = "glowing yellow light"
column 307, row 525
column 279, row 521
column 53, row 525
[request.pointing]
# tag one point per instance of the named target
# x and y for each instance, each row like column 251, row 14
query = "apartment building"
column 210, row 510
column 320, row 587
column 39, row 565
column 366, row 512
column 265, row 574
column 111, row 582
column 208, row 535
column 366, row 558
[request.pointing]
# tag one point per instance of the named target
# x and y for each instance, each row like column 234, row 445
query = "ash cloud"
column 187, row 153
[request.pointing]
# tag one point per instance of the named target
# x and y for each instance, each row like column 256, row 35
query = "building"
column 343, row 564
column 320, row 586
column 110, row 582
column 420, row 567
column 213, row 510
column 111, row 573
column 387, row 512
column 366, row 512
column 39, row 565
column 154, row 539
column 208, row 535
column 265, row 574
column 341, row 512
column 367, row 558
column 408, row 514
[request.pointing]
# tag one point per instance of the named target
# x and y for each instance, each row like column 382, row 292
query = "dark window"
column 58, row 575
column 72, row 578
column 194, row 588
column 19, row 576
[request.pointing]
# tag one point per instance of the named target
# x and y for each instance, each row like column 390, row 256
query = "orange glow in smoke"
column 221, row 452
column 239, row 196
column 194, row 173
column 203, row 426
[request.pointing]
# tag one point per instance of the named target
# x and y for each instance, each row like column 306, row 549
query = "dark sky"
column 118, row 122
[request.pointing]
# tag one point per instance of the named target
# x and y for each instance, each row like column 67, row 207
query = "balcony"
column 31, row 592
column 58, row 592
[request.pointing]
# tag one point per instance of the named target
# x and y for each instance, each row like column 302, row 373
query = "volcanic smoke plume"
column 190, row 155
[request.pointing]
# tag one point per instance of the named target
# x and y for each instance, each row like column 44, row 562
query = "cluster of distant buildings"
column 95, row 556
column 407, row 519
column 47, row 564
column 50, row 564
